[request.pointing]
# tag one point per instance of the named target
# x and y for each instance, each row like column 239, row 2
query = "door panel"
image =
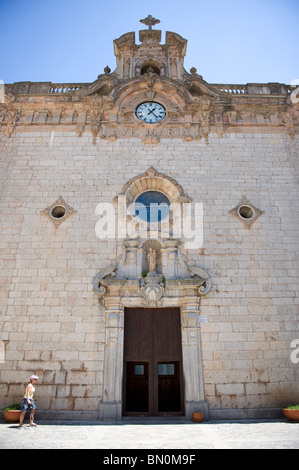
column 169, row 393
column 137, row 389
column 152, row 362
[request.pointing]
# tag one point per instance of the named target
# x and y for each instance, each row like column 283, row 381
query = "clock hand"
column 152, row 111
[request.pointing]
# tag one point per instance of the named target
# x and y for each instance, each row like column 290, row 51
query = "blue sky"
column 229, row 41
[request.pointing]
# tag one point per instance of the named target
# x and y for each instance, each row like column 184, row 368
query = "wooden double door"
column 153, row 375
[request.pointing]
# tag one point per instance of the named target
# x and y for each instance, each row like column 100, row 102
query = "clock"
column 150, row 112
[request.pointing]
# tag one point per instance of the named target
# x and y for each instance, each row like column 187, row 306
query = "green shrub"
column 14, row 406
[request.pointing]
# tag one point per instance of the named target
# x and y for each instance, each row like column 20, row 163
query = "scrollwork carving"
column 97, row 286
column 204, row 279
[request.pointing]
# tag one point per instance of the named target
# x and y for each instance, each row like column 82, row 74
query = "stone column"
column 170, row 258
column 111, row 406
column 192, row 359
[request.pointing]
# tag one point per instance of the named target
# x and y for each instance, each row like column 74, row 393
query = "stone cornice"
column 265, row 90
column 194, row 108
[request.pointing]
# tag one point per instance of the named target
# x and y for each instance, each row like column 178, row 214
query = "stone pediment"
column 121, row 98
column 148, row 72
column 136, row 275
column 189, row 90
column 168, row 58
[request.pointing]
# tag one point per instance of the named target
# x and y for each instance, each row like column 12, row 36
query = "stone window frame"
column 247, row 221
column 152, row 180
column 60, row 202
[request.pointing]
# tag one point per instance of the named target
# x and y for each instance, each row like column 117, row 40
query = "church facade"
column 149, row 241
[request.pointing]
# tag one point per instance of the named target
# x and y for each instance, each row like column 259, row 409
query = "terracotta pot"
column 12, row 416
column 292, row 415
column 198, row 417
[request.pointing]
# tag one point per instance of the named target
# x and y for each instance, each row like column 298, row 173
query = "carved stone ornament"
column 94, row 109
column 9, row 115
column 246, row 212
column 152, row 289
column 58, row 212
column 136, row 281
column 205, row 281
column 150, row 21
column 151, row 179
column 97, row 286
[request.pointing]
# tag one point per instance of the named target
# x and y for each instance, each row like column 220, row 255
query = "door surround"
column 169, row 282
column 117, row 294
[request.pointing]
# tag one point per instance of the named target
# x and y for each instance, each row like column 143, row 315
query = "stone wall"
column 51, row 321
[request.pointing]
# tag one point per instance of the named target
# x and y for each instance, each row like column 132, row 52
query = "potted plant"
column 12, row 413
column 198, row 417
column 292, row 413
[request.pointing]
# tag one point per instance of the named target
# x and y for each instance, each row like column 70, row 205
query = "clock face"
column 150, row 112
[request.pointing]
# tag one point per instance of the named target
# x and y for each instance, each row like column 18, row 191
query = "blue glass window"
column 152, row 206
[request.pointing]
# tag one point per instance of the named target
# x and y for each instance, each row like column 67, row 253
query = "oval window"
column 152, row 206
column 58, row 212
column 246, row 212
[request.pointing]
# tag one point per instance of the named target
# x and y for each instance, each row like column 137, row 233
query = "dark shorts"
column 28, row 406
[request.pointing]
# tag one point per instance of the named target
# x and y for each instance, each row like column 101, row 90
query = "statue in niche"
column 152, row 260
column 151, row 287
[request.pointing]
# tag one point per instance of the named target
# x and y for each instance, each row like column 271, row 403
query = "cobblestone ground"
column 142, row 435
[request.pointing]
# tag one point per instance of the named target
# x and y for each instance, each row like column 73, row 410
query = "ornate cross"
column 150, row 21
